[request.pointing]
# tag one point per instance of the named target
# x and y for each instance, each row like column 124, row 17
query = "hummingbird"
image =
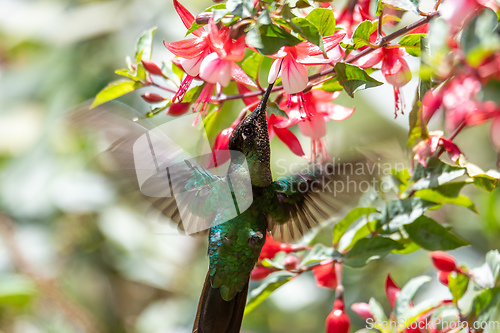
column 284, row 208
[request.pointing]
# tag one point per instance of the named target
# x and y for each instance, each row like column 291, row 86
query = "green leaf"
column 144, row 47
column 485, row 182
column 252, row 64
column 302, row 4
column 493, row 261
column 439, row 196
column 241, row 8
column 273, row 108
column 268, row 39
column 484, row 305
column 331, row 85
column 400, row 212
column 368, row 249
column 435, row 173
column 407, row 293
column 412, row 44
column 264, row 17
column 353, row 78
column 402, row 4
column 432, row 236
column 377, row 311
column 457, row 283
column 418, row 129
column 320, row 253
column 307, row 30
column 340, row 228
column 362, row 33
column 355, row 235
column 323, row 20
column 479, row 38
column 115, row 90
column 192, row 94
column 259, row 294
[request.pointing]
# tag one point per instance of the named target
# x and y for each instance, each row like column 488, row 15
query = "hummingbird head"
column 251, row 138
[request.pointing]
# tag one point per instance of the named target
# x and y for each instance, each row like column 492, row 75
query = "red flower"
column 325, row 275
column 284, row 134
column 290, row 262
column 271, row 247
column 337, row 321
column 456, row 12
column 443, row 261
column 392, row 291
column 348, row 18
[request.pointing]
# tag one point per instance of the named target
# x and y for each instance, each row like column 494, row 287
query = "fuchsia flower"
column 325, row 275
column 293, row 60
column 362, row 309
column 456, row 12
column 348, row 19
column 394, row 68
column 311, row 111
column 211, row 56
column 427, row 148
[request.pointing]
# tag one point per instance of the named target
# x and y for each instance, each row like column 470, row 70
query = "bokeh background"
column 77, row 256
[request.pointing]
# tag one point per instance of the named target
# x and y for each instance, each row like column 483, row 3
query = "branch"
column 382, row 42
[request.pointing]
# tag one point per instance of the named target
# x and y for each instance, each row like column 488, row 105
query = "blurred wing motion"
column 149, row 160
column 302, row 201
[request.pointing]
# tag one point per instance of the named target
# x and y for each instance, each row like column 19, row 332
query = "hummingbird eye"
column 247, row 131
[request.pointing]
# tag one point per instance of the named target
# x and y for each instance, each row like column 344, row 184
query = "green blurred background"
column 76, row 256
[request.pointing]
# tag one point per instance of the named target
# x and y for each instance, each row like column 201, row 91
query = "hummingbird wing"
column 302, row 201
column 150, row 167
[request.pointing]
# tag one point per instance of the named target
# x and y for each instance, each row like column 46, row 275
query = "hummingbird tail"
column 215, row 315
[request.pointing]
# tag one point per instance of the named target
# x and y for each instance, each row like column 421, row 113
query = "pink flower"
column 348, row 18
column 311, row 111
column 456, row 12
column 210, row 55
column 337, row 321
column 362, row 310
column 427, row 148
column 260, row 273
column 293, row 60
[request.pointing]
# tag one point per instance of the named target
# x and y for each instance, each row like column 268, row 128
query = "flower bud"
column 443, row 261
column 152, row 98
column 362, row 309
column 325, row 275
column 260, row 273
column 337, row 321
column 178, row 109
column 151, row 67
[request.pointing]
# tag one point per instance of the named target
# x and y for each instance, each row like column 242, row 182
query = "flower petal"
column 290, row 140
column 495, row 133
column 334, row 111
column 187, row 18
column 187, row 48
column 294, row 76
column 240, row 76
